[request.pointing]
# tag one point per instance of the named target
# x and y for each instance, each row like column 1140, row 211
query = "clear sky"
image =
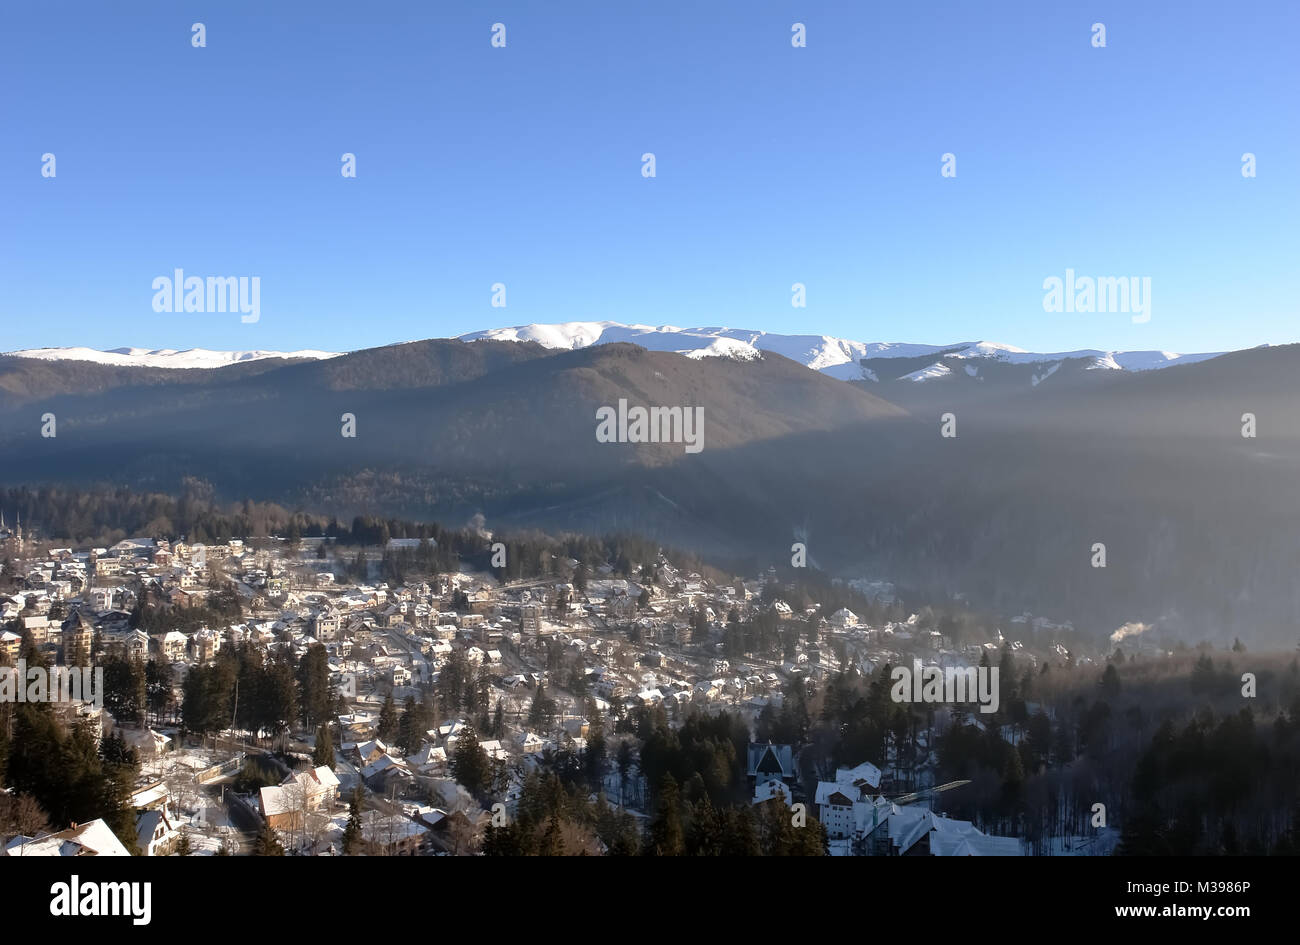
column 775, row 165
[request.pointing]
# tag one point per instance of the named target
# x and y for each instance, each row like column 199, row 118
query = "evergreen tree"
column 1110, row 681
column 387, row 719
column 267, row 843
column 469, row 763
column 667, row 837
column 541, row 714
column 323, row 753
column 552, row 844
column 741, row 836
column 593, row 761
column 158, row 689
column 315, row 693
column 352, row 835
column 624, row 767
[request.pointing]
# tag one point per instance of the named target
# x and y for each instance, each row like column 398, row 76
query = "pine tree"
column 267, row 843
column 352, row 836
column 316, row 693
column 552, row 844
column 741, row 835
column 469, row 763
column 1110, row 681
column 541, row 712
column 323, row 753
column 667, row 836
column 387, row 719
column 624, row 767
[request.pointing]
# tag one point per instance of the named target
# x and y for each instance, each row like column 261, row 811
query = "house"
column 10, row 644
column 771, row 789
column 835, row 809
column 917, row 831
column 766, row 762
column 129, row 644
column 844, row 618
column 284, row 805
column 391, row 833
column 280, row 808
column 205, row 643
column 448, row 730
column 100, row 598
column 840, row 802
column 530, row 743
column 460, row 830
column 92, row 839
column 369, row 752
column 147, row 743
column 429, row 758
column 325, row 626
column 155, row 833
column 78, row 638
column 385, row 773
column 171, row 646
column 321, row 786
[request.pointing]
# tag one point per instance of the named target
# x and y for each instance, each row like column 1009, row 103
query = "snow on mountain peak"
column 838, row 357
column 163, row 357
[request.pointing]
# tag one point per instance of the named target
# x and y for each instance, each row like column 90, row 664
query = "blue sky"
column 775, row 165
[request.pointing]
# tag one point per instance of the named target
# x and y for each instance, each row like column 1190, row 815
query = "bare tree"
column 21, row 814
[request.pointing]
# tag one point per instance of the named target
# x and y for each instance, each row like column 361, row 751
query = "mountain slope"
column 445, row 404
column 1199, row 521
column 837, row 357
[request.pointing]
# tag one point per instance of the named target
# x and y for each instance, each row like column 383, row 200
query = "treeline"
column 1182, row 759
column 104, row 516
column 700, row 798
column 56, row 775
column 263, row 695
column 1217, row 786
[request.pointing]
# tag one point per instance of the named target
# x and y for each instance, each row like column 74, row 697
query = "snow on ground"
column 1102, row 843
column 724, row 348
column 936, row 370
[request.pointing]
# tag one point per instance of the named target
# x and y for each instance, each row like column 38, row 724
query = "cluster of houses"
column 627, row 639
column 860, row 820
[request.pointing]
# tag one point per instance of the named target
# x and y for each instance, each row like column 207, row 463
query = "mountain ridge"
column 837, row 357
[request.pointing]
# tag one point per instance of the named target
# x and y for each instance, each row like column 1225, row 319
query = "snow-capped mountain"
column 163, row 357
column 838, row 357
